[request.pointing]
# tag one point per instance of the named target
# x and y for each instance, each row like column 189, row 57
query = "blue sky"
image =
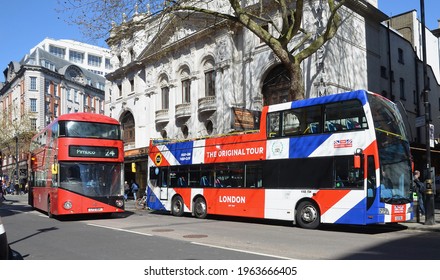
column 25, row 23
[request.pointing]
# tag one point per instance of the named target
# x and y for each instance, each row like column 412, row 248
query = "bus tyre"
column 49, row 214
column 200, row 208
column 307, row 215
column 177, row 206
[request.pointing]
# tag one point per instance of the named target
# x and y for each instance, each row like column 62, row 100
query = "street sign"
column 420, row 121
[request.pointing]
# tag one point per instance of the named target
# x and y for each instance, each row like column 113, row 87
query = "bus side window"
column 204, row 181
column 182, row 182
column 291, row 124
column 273, row 125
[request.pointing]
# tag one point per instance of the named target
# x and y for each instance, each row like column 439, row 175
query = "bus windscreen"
column 89, row 130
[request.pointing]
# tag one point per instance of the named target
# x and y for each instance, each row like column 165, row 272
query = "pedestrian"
column 126, row 190
column 134, row 189
column 419, row 188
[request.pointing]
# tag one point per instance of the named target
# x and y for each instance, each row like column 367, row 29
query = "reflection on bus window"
column 89, row 130
column 91, row 179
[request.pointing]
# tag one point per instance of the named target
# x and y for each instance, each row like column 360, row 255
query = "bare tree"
column 291, row 40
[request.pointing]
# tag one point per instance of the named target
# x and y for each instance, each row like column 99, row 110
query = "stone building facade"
column 43, row 86
column 183, row 76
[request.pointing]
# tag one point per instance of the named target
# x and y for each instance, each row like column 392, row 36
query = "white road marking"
column 241, row 251
column 121, row 229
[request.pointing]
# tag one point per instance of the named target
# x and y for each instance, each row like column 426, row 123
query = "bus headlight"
column 67, row 205
column 384, row 211
column 119, row 202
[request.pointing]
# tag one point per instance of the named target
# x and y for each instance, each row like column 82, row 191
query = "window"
column 34, row 124
column 210, row 83
column 69, row 94
column 47, row 87
column 346, row 115
column 55, row 110
column 75, row 95
column 49, row 65
column 165, row 97
column 383, row 72
column 33, row 105
column 402, row 88
column 47, row 108
column 100, row 86
column 340, row 116
column 185, row 131
column 108, row 64
column 94, row 60
column 33, row 85
column 400, row 56
column 186, row 91
column 55, row 89
column 132, row 85
column 75, row 56
column 120, row 89
column 132, row 55
column 57, row 51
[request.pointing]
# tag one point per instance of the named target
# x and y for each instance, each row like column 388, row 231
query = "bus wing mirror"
column 357, row 161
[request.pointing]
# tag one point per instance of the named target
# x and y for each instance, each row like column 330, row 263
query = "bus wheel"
column 200, row 208
column 177, row 206
column 49, row 214
column 307, row 215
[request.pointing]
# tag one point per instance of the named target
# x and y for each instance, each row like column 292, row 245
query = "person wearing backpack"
column 134, row 189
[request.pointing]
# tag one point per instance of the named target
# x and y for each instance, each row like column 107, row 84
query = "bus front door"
column 163, row 184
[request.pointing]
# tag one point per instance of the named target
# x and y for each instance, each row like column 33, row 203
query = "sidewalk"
column 411, row 225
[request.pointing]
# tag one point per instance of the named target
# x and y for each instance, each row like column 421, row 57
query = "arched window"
column 208, row 68
column 276, row 86
column 209, row 127
column 128, row 126
column 165, row 92
column 186, row 85
column 185, row 131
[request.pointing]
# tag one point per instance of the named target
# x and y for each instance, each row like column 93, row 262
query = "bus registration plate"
column 98, row 209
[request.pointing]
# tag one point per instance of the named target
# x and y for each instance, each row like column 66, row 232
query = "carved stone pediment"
column 175, row 30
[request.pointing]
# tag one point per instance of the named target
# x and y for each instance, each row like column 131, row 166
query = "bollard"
column 416, row 209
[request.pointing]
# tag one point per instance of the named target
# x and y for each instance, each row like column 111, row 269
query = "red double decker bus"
column 76, row 166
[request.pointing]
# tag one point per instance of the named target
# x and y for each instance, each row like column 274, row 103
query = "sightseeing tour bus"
column 76, row 166
column 341, row 159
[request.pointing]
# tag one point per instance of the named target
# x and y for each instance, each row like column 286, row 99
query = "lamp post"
column 17, row 173
column 429, row 203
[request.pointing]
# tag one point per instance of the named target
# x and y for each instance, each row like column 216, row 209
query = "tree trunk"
column 296, row 89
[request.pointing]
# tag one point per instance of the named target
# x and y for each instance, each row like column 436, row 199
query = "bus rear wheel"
column 177, row 206
column 200, row 210
column 307, row 215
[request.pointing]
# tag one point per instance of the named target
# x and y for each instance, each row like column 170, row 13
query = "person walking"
column 420, row 189
column 134, row 189
column 126, row 190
